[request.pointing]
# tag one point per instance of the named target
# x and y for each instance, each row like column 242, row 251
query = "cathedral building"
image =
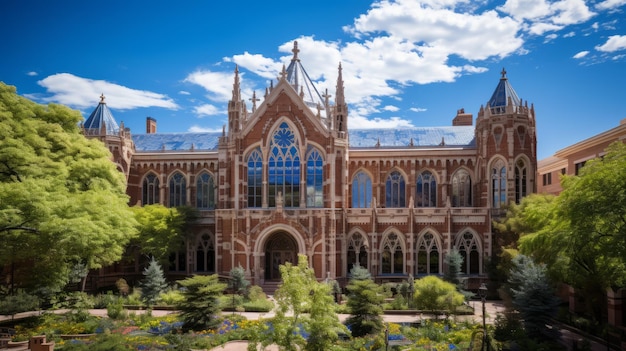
column 290, row 176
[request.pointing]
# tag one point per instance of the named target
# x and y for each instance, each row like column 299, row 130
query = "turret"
column 341, row 108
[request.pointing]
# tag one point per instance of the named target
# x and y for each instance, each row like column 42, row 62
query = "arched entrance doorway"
column 279, row 249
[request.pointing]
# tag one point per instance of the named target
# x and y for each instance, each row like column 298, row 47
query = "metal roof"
column 302, row 83
column 462, row 136
column 503, row 92
column 99, row 117
column 413, row 137
column 176, row 141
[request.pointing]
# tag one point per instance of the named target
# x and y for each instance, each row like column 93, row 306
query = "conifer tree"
column 153, row 284
column 364, row 303
column 201, row 307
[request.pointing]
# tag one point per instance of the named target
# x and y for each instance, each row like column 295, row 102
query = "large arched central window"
column 314, row 180
column 426, row 192
column 284, row 167
column 395, row 195
column 498, row 184
column 255, row 179
column 361, row 190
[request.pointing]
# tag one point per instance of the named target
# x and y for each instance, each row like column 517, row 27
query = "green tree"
column 434, row 294
column 453, row 260
column 533, row 296
column 323, row 324
column 153, row 284
column 365, row 301
column 238, row 282
column 582, row 235
column 62, row 201
column 200, row 308
column 162, row 230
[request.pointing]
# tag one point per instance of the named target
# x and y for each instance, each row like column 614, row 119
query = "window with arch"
column 426, row 190
column 150, row 190
column 361, row 190
column 255, row 178
column 468, row 248
column 205, row 191
column 178, row 190
column 461, row 189
column 395, row 195
column 284, row 167
column 178, row 259
column 392, row 258
column 357, row 251
column 520, row 180
column 498, row 184
column 315, row 179
column 205, row 253
column 428, row 255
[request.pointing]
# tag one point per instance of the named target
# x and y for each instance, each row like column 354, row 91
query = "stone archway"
column 279, row 249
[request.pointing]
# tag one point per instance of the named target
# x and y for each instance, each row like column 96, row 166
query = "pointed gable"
column 504, row 91
column 302, row 83
column 101, row 118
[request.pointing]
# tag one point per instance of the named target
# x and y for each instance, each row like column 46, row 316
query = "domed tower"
column 506, row 143
column 101, row 125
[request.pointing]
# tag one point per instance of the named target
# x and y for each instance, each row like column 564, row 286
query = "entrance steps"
column 270, row 286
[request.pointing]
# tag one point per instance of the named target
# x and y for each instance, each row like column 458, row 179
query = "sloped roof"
column 503, row 92
column 102, row 116
column 413, row 137
column 176, row 141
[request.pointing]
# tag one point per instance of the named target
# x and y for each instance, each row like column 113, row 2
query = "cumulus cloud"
column 207, row 110
column 614, row 43
column 32, row 73
column 581, row 54
column 219, row 85
column 418, row 109
column 78, row 92
column 200, row 129
column 610, row 4
column 541, row 16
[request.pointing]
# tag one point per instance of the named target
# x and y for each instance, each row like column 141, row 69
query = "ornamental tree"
column 62, row 201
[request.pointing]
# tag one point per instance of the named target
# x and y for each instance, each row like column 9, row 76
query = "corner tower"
column 506, row 143
column 101, row 125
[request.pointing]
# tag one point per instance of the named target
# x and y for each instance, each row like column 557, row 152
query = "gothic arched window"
column 150, row 190
column 357, row 251
column 468, row 248
column 314, row 180
column 205, row 253
column 284, row 167
column 255, row 179
column 361, row 190
column 428, row 255
column 498, row 184
column 178, row 190
column 520, row 180
column 426, row 190
column 395, row 195
column 392, row 258
column 205, row 191
column 461, row 189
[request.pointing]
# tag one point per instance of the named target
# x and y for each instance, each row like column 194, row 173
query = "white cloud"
column 183, row 92
column 199, row 129
column 207, row 110
column 32, row 73
column 543, row 15
column 219, row 85
column 550, row 37
column 391, row 108
column 79, row 92
column 610, row 4
column 418, row 109
column 614, row 43
column 581, row 54
column 569, row 35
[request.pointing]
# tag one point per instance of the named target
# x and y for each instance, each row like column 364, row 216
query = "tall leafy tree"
column 62, row 201
column 201, row 307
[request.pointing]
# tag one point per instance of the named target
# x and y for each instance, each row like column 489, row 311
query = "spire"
column 503, row 95
column 101, row 120
column 297, row 77
column 236, row 86
column 254, row 100
column 341, row 108
column 340, row 99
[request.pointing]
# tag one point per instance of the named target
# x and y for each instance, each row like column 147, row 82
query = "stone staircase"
column 270, row 286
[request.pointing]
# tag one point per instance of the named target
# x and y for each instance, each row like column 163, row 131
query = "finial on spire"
column 102, row 98
column 295, row 51
column 503, row 73
column 283, row 73
column 254, row 100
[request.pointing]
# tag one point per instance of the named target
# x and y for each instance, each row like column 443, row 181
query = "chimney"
column 462, row 118
column 150, row 125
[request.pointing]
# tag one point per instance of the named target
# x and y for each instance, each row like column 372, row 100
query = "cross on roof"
column 295, row 51
column 503, row 73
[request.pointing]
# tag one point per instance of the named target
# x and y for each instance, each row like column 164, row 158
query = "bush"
column 171, row 297
column 116, row 310
column 104, row 300
column 21, row 302
column 258, row 305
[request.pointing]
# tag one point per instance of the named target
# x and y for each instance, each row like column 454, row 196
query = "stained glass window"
column 395, row 195
column 150, row 190
column 205, row 191
column 178, row 190
column 314, row 180
column 255, row 178
column 361, row 190
column 284, row 168
column 426, row 190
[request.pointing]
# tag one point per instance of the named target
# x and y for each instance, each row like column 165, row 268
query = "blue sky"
column 405, row 62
